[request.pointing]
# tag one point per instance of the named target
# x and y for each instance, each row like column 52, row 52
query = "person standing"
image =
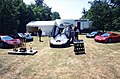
column 40, row 34
column 76, row 30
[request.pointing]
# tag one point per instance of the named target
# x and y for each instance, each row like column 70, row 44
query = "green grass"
column 101, row 61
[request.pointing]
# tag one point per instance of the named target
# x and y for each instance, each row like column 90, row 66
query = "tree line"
column 104, row 14
column 15, row 14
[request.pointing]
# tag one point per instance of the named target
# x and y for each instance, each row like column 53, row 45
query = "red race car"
column 108, row 37
column 8, row 42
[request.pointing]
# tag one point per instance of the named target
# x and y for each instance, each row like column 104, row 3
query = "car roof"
column 5, row 35
column 112, row 33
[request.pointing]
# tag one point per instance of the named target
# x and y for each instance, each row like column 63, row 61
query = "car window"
column 58, row 31
column 27, row 34
column 114, row 34
column 93, row 33
column 105, row 35
column 21, row 34
column 6, row 38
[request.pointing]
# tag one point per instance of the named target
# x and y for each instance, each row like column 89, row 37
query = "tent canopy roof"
column 41, row 23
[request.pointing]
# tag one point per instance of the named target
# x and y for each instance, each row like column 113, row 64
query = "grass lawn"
column 101, row 61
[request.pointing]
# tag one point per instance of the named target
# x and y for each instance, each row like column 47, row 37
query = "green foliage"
column 15, row 14
column 55, row 15
column 117, row 2
column 8, row 21
column 105, row 16
column 39, row 2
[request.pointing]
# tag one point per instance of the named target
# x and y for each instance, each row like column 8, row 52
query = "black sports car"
column 93, row 34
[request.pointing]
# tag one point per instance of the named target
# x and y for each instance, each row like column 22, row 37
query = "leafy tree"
column 21, row 15
column 105, row 14
column 116, row 2
column 100, row 14
column 15, row 14
column 39, row 2
column 8, row 21
column 116, row 12
column 46, row 13
column 55, row 15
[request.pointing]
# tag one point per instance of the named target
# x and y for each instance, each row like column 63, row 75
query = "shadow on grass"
column 109, row 42
column 61, row 46
column 82, row 34
column 80, row 53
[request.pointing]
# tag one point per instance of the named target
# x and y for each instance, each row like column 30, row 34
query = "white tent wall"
column 84, row 24
column 46, row 26
column 46, row 30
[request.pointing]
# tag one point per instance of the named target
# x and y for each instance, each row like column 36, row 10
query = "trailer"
column 82, row 24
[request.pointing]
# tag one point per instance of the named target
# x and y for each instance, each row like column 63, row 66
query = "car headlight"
column 104, row 38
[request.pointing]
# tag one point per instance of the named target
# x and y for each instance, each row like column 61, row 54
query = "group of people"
column 76, row 31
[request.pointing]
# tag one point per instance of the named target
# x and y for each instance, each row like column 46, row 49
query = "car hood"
column 59, row 39
column 90, row 34
column 100, row 37
column 28, row 37
column 13, row 41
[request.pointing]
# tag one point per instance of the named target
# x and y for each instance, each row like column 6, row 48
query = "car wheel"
column 51, row 45
column 1, row 45
column 109, row 40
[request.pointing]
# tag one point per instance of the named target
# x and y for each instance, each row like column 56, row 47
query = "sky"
column 68, row 9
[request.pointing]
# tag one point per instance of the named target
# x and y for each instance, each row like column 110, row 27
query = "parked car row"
column 107, row 37
column 27, row 36
column 9, row 41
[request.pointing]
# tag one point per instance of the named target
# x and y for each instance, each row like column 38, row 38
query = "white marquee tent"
column 46, row 26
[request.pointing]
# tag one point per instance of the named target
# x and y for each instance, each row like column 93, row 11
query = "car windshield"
column 93, row 33
column 60, row 37
column 6, row 38
column 21, row 34
column 27, row 35
column 58, row 31
column 105, row 35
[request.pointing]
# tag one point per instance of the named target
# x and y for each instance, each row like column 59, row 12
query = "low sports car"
column 27, row 36
column 61, row 37
column 8, row 42
column 60, row 40
column 93, row 34
column 108, row 37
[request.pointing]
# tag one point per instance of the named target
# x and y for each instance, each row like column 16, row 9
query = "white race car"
column 61, row 37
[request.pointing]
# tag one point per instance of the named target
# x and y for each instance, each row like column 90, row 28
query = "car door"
column 115, row 37
column 118, row 38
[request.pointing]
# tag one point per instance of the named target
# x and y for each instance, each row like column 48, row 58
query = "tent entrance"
column 32, row 29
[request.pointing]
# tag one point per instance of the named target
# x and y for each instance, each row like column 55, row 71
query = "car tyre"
column 1, row 44
column 51, row 45
column 109, row 40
